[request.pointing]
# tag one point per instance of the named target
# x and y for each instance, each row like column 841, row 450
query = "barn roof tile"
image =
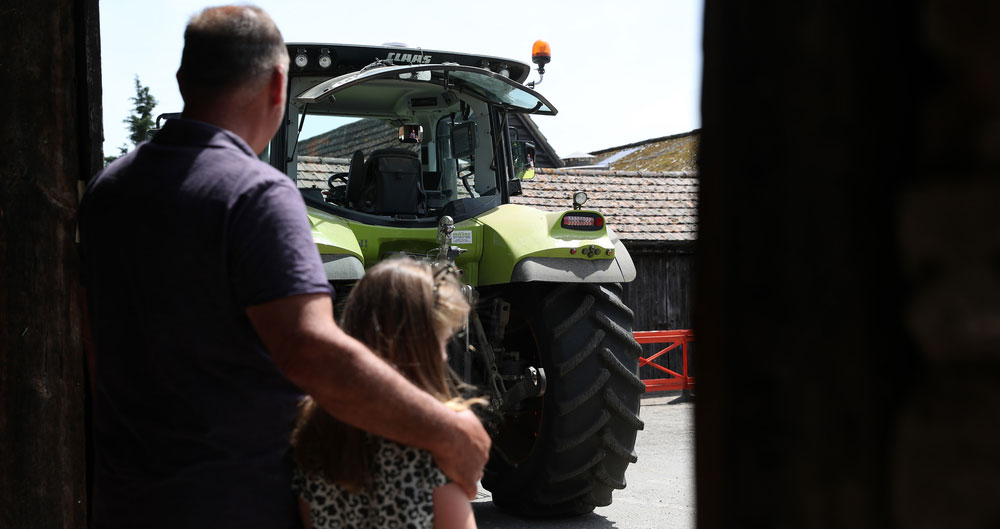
column 639, row 205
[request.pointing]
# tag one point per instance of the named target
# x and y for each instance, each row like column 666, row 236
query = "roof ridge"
column 647, row 142
column 569, row 171
column 324, row 159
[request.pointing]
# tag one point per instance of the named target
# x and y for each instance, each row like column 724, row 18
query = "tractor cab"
column 414, row 141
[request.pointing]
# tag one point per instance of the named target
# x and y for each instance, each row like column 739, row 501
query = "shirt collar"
column 180, row 131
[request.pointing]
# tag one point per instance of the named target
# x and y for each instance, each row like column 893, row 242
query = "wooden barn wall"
column 661, row 295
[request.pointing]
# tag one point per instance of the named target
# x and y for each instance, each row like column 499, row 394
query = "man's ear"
column 277, row 87
column 180, row 83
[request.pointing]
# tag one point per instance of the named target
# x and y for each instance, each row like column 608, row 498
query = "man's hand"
column 464, row 461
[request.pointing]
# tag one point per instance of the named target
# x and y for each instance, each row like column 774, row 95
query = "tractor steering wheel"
column 336, row 176
column 338, row 191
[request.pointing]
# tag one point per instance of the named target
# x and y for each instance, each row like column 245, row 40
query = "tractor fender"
column 521, row 244
column 565, row 270
column 338, row 246
column 341, row 266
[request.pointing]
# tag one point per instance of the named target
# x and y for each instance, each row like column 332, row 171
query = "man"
column 210, row 310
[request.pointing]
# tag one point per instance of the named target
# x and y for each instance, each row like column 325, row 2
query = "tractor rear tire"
column 590, row 411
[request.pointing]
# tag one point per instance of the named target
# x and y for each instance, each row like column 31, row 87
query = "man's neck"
column 240, row 121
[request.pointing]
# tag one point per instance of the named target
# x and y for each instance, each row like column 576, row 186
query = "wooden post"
column 50, row 137
column 848, row 294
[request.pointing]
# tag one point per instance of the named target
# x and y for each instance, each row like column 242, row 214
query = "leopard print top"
column 400, row 496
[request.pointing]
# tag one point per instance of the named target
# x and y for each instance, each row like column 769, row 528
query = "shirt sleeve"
column 272, row 253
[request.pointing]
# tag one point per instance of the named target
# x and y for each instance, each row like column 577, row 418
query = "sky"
column 621, row 72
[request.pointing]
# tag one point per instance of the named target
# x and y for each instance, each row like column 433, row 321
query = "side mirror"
column 411, row 134
column 463, row 139
column 524, row 159
column 514, row 188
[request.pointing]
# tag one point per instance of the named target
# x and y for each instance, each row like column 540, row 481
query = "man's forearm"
column 357, row 387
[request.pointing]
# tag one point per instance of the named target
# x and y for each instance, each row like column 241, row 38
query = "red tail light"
column 582, row 221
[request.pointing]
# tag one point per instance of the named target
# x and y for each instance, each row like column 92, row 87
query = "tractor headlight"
column 301, row 60
column 324, row 58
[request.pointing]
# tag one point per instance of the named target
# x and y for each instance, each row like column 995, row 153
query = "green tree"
column 139, row 121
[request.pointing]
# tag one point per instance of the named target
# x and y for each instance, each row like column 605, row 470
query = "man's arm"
column 357, row 387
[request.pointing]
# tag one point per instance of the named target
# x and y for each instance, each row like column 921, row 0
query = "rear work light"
column 582, row 221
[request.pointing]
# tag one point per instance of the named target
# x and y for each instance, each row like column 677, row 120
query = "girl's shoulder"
column 401, row 493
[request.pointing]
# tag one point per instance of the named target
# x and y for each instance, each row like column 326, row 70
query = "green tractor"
column 428, row 168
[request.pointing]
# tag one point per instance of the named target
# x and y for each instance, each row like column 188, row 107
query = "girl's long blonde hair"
column 402, row 309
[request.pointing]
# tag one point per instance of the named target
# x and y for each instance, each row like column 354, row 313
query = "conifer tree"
column 139, row 121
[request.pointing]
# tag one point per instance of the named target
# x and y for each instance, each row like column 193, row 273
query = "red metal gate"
column 677, row 339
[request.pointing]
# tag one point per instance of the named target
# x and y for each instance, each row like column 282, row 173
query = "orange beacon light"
column 541, row 54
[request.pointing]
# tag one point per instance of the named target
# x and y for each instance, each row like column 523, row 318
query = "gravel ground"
column 660, row 491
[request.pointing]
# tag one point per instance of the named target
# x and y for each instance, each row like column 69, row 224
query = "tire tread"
column 569, row 406
column 566, row 476
column 584, row 353
column 619, row 332
column 618, row 408
column 616, row 448
column 613, row 363
column 563, row 444
column 608, row 480
column 612, row 298
column 578, row 314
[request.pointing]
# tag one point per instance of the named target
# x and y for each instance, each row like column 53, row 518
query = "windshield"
column 397, row 149
column 485, row 84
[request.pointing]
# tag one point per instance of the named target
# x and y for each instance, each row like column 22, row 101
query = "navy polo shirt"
column 191, row 416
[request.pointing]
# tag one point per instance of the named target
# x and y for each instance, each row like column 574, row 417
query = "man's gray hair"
column 227, row 47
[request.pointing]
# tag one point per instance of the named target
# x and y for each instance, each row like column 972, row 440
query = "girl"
column 405, row 311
